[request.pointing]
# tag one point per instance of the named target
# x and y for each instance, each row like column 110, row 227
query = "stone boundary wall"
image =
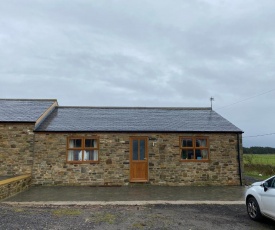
column 12, row 186
column 165, row 168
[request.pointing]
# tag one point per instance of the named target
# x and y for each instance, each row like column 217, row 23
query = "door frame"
column 132, row 162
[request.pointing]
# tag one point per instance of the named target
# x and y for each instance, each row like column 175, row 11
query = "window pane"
column 95, row 155
column 74, row 155
column 184, row 154
column 75, row 143
column 187, row 143
column 91, row 143
column 198, row 154
column 187, row 154
column 204, row 154
column 201, row 143
column 90, row 155
column 135, row 149
column 190, row 154
column 142, row 149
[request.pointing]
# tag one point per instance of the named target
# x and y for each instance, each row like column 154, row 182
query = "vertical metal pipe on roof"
column 239, row 159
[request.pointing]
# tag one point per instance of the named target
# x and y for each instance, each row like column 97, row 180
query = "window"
column 271, row 182
column 194, row 148
column 82, row 149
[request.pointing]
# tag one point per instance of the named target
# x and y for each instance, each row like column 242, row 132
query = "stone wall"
column 165, row 168
column 10, row 187
column 16, row 148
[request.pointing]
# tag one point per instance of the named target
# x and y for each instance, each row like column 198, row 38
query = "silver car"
column 260, row 199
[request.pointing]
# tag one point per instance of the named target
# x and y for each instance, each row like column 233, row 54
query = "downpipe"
column 239, row 159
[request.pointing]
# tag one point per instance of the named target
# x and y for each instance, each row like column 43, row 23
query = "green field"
column 261, row 159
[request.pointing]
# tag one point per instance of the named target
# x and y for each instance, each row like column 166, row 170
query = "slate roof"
column 121, row 119
column 23, row 110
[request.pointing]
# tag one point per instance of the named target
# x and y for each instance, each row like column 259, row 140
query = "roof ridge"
column 129, row 107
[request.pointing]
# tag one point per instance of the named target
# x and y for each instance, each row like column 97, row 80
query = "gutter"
column 127, row 131
column 239, row 159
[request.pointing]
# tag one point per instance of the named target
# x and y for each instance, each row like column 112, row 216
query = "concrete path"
column 129, row 195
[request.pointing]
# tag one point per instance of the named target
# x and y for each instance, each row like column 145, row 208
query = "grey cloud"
column 142, row 53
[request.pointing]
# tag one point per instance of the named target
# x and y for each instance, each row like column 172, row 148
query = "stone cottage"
column 103, row 146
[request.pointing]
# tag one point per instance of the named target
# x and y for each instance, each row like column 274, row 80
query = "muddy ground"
column 130, row 217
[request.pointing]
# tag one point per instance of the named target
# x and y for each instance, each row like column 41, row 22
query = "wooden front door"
column 138, row 159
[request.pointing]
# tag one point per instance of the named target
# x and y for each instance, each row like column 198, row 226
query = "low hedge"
column 261, row 169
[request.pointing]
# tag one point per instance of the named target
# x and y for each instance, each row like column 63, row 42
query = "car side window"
column 271, row 183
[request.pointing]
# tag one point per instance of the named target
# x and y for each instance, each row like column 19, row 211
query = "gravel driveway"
column 129, row 217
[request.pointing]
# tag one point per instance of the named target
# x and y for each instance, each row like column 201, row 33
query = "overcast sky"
column 145, row 53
